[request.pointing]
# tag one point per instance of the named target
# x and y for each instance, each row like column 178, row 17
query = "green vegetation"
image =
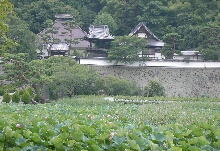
column 6, row 98
column 15, row 97
column 26, row 98
column 106, row 19
column 63, row 77
column 6, row 9
column 21, row 91
column 2, row 91
column 154, row 89
column 90, row 123
column 36, row 98
column 116, row 86
column 189, row 21
column 29, row 90
column 126, row 49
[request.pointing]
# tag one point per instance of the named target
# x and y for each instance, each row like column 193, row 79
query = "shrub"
column 16, row 97
column 9, row 88
column 6, row 98
column 21, row 92
column 2, row 91
column 154, row 89
column 30, row 91
column 36, row 98
column 117, row 86
column 74, row 80
column 26, row 98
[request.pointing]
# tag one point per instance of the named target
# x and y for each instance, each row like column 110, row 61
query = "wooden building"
column 99, row 38
column 154, row 44
column 59, row 49
column 60, row 34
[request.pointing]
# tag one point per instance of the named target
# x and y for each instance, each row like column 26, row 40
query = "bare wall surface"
column 183, row 82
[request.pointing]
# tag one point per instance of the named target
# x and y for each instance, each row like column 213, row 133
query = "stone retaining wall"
column 184, row 82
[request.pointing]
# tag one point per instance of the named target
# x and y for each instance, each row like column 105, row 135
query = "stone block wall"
column 178, row 82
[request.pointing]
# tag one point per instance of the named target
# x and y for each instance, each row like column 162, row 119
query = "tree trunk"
column 41, row 97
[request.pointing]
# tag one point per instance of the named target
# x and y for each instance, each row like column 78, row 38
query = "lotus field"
column 90, row 123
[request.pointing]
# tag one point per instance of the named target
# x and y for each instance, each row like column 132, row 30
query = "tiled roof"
column 62, row 34
column 59, row 46
column 99, row 32
column 151, row 42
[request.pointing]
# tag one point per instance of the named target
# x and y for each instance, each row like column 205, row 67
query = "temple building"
column 154, row 44
column 58, row 38
column 99, row 38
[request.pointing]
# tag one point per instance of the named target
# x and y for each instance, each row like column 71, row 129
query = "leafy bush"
column 26, row 98
column 16, row 97
column 116, row 86
column 9, row 88
column 2, row 91
column 21, row 92
column 73, row 80
column 154, row 89
column 6, row 98
column 29, row 90
column 36, row 98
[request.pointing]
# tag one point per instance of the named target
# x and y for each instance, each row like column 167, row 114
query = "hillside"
column 191, row 20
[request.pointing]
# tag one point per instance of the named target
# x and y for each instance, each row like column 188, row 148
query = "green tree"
column 2, row 91
column 152, row 13
column 70, row 25
column 172, row 40
column 210, row 42
column 86, row 16
column 35, row 73
column 6, row 98
column 25, row 39
column 126, row 49
column 106, row 19
column 38, row 12
column 6, row 9
column 154, row 89
column 116, row 86
column 29, row 90
column 73, row 80
column 26, row 98
column 124, row 13
column 15, row 97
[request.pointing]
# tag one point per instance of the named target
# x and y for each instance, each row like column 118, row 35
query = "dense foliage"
column 21, row 72
column 26, row 97
column 2, row 91
column 126, row 49
column 6, row 98
column 62, row 76
column 116, row 86
column 73, row 80
column 15, row 97
column 90, row 123
column 154, row 88
column 188, row 19
column 6, row 9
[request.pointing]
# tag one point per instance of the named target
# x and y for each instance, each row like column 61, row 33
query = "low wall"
column 184, row 82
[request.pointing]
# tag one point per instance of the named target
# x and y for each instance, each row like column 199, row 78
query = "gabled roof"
column 99, row 32
column 154, row 41
column 63, row 34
